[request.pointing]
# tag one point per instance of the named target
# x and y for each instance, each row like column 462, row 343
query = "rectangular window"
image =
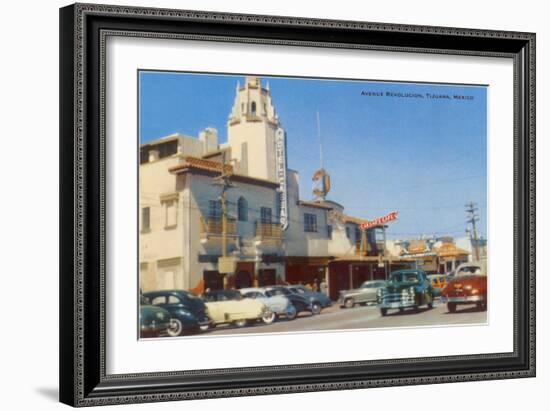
column 371, row 235
column 265, row 215
column 242, row 209
column 348, row 235
column 145, row 218
column 215, row 209
column 329, row 232
column 310, row 223
column 357, row 234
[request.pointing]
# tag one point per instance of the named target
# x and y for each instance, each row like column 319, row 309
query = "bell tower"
column 251, row 130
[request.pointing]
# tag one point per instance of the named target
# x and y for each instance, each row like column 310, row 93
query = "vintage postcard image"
column 271, row 204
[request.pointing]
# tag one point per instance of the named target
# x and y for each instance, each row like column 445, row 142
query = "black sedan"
column 187, row 311
column 153, row 321
column 318, row 300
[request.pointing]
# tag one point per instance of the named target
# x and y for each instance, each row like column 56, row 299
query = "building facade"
column 260, row 222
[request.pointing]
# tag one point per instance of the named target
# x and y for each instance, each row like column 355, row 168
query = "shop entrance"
column 244, row 275
column 243, row 280
column 212, row 280
column 267, row 277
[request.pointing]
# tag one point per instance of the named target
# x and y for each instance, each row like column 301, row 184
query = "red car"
column 467, row 286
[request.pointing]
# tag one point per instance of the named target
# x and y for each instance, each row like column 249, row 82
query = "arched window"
column 253, row 108
column 242, row 209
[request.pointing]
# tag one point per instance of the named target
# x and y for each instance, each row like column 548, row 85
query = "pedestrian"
column 324, row 287
column 316, row 285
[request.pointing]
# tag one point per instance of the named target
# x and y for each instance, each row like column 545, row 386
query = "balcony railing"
column 272, row 230
column 370, row 249
column 214, row 226
column 358, row 248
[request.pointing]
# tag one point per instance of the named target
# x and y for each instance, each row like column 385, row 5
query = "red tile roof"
column 213, row 168
column 317, row 204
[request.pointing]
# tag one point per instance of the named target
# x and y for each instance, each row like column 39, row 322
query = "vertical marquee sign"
column 280, row 153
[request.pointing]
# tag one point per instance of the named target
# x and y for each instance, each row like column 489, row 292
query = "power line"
column 203, row 207
column 473, row 218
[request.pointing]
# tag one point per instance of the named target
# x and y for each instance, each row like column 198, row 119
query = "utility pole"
column 471, row 210
column 224, row 180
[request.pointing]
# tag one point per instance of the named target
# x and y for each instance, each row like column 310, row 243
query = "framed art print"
column 260, row 204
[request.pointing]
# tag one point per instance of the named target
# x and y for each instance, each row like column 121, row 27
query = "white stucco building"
column 273, row 234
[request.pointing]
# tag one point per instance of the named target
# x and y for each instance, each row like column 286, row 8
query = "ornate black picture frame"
column 83, row 30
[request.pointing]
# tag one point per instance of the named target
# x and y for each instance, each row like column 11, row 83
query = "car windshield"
column 143, row 300
column 224, row 295
column 469, row 270
column 278, row 291
column 371, row 284
column 405, row 278
column 230, row 295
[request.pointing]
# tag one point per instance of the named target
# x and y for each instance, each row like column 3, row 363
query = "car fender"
column 185, row 316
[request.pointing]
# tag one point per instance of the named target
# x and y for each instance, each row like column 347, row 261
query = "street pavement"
column 361, row 317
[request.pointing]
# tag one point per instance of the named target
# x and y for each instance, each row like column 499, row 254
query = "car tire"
column 430, row 302
column 316, row 308
column 481, row 306
column 383, row 312
column 291, row 314
column 240, row 323
column 451, row 307
column 176, row 328
column 269, row 318
column 349, row 303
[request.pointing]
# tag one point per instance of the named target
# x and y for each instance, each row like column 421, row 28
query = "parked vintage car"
column 278, row 304
column 229, row 306
column 406, row 288
column 188, row 312
column 153, row 321
column 367, row 293
column 467, row 286
column 298, row 301
column 318, row 300
column 439, row 281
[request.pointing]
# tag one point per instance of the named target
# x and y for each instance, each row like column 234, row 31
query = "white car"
column 229, row 306
column 278, row 304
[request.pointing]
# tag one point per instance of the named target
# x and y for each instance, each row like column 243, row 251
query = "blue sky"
column 423, row 157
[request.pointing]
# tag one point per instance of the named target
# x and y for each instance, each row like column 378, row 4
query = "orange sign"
column 416, row 247
column 379, row 221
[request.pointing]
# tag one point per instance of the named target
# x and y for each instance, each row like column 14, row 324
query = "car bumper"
column 463, row 299
column 397, row 304
column 153, row 331
column 283, row 310
column 342, row 300
column 205, row 321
